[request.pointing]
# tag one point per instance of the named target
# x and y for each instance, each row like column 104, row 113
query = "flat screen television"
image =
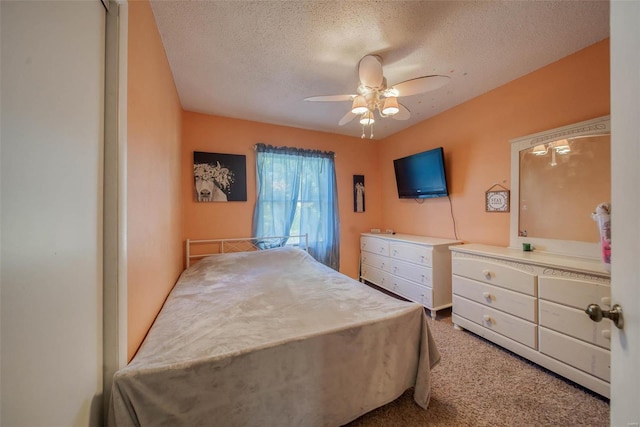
column 421, row 175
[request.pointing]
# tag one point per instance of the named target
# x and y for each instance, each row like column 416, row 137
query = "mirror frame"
column 597, row 126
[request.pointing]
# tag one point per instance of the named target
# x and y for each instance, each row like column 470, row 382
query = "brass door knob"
column 596, row 314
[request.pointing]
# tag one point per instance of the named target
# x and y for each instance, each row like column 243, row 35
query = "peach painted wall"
column 475, row 136
column 154, row 211
column 354, row 156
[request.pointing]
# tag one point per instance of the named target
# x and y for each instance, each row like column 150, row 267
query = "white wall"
column 51, row 223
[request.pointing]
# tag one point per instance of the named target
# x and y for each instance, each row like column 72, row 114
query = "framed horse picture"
column 219, row 177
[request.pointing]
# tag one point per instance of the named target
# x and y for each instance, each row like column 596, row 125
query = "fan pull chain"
column 370, row 132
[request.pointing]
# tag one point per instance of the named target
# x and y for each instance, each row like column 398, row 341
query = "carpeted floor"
column 480, row 384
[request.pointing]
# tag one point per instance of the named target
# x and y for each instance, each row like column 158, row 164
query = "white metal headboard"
column 242, row 244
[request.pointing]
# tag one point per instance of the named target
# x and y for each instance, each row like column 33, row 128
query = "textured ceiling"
column 258, row 60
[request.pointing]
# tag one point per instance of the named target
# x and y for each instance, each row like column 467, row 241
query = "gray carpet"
column 480, row 384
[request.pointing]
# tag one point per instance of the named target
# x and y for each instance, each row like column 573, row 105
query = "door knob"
column 615, row 314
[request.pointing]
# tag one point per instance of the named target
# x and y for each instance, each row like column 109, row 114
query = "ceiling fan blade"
column 420, row 85
column 331, row 98
column 370, row 71
column 403, row 114
column 347, row 118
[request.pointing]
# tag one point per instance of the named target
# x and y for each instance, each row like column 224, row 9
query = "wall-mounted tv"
column 421, row 175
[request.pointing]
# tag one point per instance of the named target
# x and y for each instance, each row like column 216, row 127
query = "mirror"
column 561, row 183
column 558, row 179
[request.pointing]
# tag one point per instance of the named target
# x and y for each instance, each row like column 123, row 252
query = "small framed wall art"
column 497, row 200
column 219, row 177
column 358, row 193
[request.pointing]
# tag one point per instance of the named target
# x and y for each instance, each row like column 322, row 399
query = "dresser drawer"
column 574, row 292
column 575, row 322
column 515, row 303
column 495, row 274
column 412, row 253
column 579, row 354
column 378, row 261
column 411, row 291
column 374, row 245
column 376, row 276
column 512, row 327
column 417, row 273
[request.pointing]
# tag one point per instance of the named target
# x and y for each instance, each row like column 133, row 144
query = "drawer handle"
column 487, row 318
column 606, row 334
column 487, row 274
column 382, row 265
column 487, row 295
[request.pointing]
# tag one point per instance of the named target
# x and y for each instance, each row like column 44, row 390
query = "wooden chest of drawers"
column 533, row 304
column 414, row 267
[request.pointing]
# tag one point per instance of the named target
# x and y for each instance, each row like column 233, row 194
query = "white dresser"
column 533, row 304
column 417, row 268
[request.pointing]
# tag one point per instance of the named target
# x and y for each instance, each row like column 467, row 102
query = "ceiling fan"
column 373, row 94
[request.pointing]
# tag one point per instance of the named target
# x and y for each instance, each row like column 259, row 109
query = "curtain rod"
column 303, row 150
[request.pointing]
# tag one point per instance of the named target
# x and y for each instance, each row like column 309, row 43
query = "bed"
column 273, row 338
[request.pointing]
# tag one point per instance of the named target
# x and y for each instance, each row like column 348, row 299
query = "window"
column 297, row 194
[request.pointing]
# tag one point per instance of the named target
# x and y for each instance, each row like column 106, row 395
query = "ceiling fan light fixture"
column 367, row 119
column 375, row 95
column 390, row 106
column 562, row 146
column 540, row 150
column 359, row 105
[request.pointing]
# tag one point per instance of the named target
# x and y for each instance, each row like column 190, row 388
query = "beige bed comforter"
column 273, row 338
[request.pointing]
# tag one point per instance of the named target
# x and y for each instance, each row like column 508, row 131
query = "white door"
column 625, row 160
